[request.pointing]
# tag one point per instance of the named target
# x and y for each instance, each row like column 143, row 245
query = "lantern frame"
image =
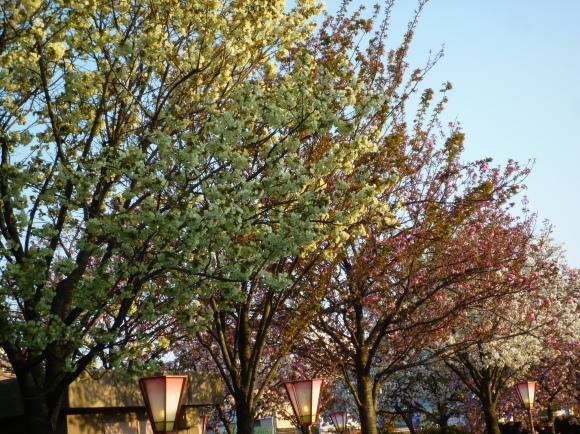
column 163, row 396
column 527, row 393
column 305, row 397
column 339, row 421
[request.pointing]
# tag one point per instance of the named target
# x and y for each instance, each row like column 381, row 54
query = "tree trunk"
column 443, row 422
column 490, row 415
column 42, row 384
column 37, row 423
column 40, row 416
column 551, row 419
column 408, row 419
column 244, row 413
column 367, row 407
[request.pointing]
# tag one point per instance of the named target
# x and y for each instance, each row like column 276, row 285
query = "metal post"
column 530, row 420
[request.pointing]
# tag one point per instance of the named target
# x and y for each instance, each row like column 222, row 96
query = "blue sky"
column 515, row 70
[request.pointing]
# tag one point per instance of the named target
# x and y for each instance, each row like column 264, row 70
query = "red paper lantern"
column 527, row 392
column 305, row 398
column 339, row 421
column 163, row 397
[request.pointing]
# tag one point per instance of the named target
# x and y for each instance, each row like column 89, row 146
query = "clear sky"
column 515, row 70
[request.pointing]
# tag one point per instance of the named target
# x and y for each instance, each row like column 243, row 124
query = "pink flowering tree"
column 558, row 379
column 399, row 289
column 511, row 334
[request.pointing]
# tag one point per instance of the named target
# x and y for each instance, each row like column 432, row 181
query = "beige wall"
column 126, row 423
column 108, row 405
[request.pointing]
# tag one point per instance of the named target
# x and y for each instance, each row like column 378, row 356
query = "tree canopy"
column 152, row 152
column 225, row 170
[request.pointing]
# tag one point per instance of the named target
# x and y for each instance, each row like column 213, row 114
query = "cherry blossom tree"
column 172, row 168
column 249, row 337
column 556, row 376
column 511, row 334
column 153, row 155
column 397, row 290
column 558, row 379
column 432, row 390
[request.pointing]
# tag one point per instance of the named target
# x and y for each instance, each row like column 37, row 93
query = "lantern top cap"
column 301, row 381
column 158, row 377
column 163, row 376
column 526, row 385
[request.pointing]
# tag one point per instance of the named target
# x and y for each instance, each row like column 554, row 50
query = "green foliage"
column 154, row 152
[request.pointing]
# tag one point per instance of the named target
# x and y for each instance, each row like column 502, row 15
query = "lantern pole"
column 530, row 421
